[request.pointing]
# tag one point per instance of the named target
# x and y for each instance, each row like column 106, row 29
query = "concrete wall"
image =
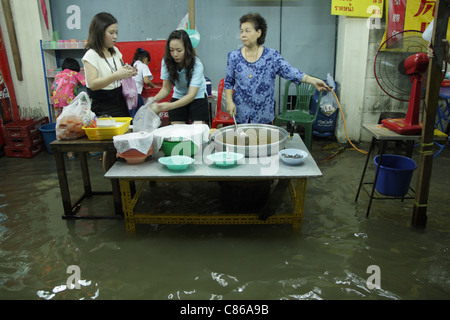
column 308, row 43
column 351, row 62
column 302, row 31
column 30, row 29
column 361, row 98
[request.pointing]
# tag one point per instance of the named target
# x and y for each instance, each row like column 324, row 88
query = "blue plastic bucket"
column 48, row 132
column 395, row 174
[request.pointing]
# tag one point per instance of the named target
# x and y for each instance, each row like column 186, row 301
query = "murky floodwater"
column 327, row 260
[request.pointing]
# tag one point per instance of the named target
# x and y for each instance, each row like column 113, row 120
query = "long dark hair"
column 96, row 38
column 140, row 54
column 189, row 56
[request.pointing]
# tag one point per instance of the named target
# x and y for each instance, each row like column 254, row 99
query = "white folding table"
column 263, row 168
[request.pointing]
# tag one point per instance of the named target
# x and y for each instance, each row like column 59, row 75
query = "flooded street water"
column 328, row 259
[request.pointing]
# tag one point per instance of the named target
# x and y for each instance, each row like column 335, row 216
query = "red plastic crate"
column 156, row 48
column 23, row 128
column 19, row 142
column 24, row 152
column 2, row 139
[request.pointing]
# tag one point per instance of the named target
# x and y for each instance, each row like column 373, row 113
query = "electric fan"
column 400, row 69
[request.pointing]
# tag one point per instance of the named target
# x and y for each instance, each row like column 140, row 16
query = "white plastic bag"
column 428, row 33
column 330, row 81
column 69, row 125
column 146, row 119
column 184, row 22
column 328, row 103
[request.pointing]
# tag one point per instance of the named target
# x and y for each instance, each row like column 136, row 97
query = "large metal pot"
column 262, row 139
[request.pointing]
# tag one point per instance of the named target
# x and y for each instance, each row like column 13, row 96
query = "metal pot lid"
column 254, row 131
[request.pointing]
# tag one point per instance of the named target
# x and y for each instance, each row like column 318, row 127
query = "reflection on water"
column 327, row 260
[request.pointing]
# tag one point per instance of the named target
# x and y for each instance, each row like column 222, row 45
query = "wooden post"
column 419, row 218
column 12, row 38
column 192, row 17
column 191, row 14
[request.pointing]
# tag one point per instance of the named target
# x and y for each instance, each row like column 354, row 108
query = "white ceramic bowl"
column 293, row 156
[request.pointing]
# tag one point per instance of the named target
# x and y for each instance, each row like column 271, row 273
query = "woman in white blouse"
column 104, row 68
column 104, row 71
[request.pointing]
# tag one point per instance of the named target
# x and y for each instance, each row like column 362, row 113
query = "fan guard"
column 388, row 65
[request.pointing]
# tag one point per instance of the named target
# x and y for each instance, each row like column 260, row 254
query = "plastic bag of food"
column 69, row 125
column 328, row 103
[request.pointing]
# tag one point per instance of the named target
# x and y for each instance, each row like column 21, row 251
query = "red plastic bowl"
column 133, row 156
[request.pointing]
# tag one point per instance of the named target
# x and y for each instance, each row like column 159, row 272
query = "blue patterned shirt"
column 254, row 98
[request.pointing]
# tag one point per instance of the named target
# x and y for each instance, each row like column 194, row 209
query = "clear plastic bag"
column 146, row 119
column 69, row 125
column 328, row 103
column 184, row 22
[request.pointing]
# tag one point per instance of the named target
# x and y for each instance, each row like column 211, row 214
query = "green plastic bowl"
column 179, row 148
column 222, row 159
column 176, row 162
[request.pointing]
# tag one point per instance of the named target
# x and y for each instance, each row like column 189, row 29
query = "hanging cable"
column 345, row 126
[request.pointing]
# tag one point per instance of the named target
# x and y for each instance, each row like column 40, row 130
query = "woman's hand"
column 319, row 84
column 446, row 54
column 160, row 107
column 231, row 108
column 97, row 83
column 430, row 51
column 154, row 107
column 126, row 72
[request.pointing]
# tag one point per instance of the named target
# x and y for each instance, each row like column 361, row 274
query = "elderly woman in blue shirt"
column 251, row 72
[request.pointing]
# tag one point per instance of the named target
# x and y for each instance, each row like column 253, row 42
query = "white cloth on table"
column 141, row 141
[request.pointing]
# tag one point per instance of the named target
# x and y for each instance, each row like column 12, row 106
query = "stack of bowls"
column 134, row 156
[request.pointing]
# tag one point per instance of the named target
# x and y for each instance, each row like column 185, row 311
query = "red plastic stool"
column 221, row 117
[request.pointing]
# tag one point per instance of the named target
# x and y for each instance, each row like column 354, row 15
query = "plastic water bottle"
column 87, row 119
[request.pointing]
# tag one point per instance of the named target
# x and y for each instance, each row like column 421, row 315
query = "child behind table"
column 65, row 88
column 144, row 76
column 66, row 85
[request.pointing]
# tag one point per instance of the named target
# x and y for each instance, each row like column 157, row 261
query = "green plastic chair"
column 300, row 113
